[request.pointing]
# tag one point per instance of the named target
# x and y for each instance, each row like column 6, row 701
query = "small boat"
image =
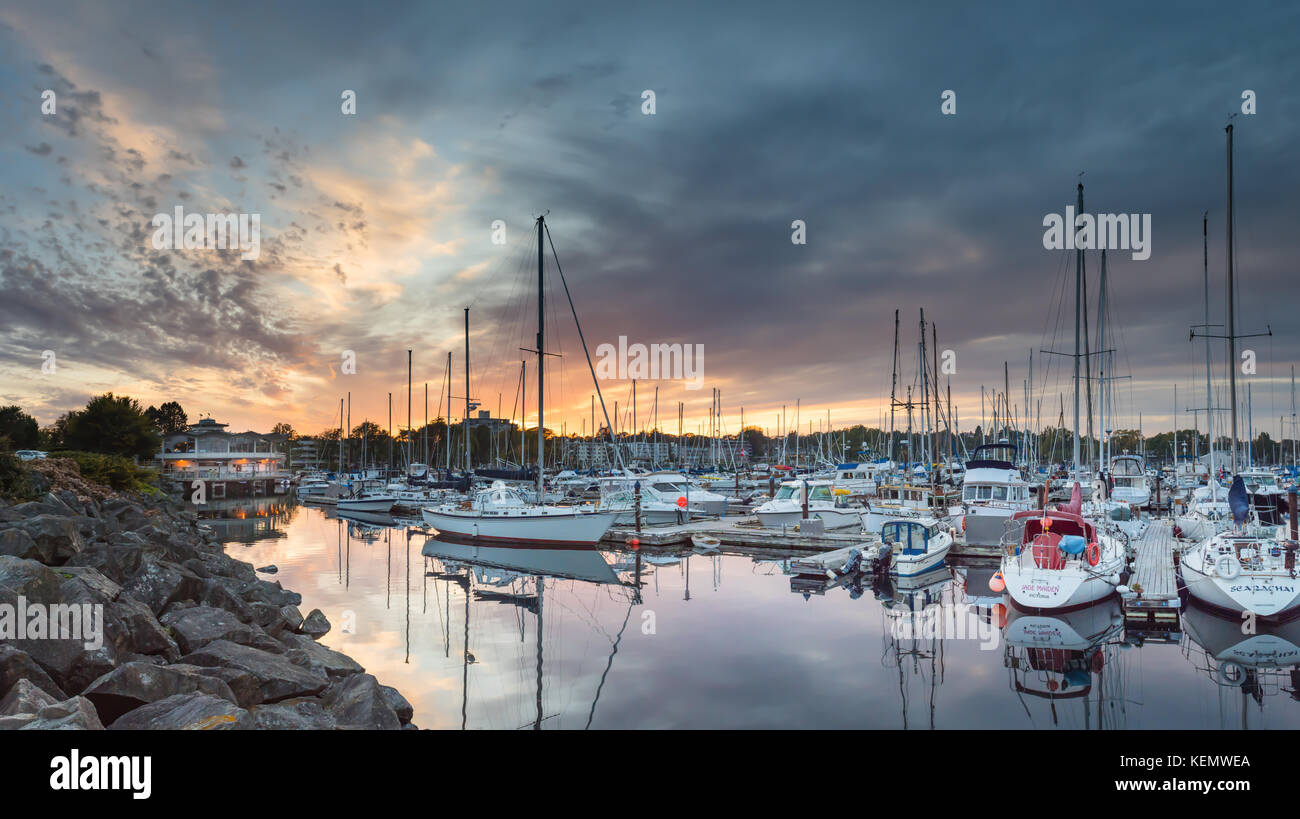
column 916, row 545
column 368, row 500
column 705, row 543
column 786, row 509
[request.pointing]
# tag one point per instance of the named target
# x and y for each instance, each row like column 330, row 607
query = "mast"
column 468, row 408
column 893, row 389
column 447, row 420
column 1209, row 394
column 541, row 356
column 408, row 409
column 1232, row 327
column 1078, row 328
column 1101, row 368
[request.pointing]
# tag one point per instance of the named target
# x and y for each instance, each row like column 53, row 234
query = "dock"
column 743, row 532
column 1152, row 606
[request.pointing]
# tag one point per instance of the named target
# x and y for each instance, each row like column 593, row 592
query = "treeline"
column 109, row 424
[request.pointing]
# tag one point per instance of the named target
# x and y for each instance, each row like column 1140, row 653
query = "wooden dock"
column 743, row 532
column 1152, row 606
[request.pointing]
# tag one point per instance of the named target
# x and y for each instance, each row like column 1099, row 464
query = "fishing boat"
column 785, row 509
column 501, row 512
column 992, row 492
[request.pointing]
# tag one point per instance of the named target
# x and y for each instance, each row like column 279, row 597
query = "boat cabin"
column 911, row 536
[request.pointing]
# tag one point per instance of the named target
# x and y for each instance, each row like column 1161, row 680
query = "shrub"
column 113, row 471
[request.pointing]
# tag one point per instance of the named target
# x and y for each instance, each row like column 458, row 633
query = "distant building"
column 227, row 463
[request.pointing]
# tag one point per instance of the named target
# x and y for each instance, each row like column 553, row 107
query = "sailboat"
column 1249, row 567
column 501, row 512
column 1058, row 558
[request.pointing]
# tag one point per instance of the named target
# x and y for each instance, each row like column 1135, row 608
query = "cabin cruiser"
column 1206, row 514
column 861, row 479
column 502, row 513
column 1128, row 481
column 312, row 487
column 1057, row 559
column 367, row 499
column 786, row 508
column 991, row 493
column 917, row 545
column 669, row 486
column 618, row 494
column 1248, row 567
column 894, row 501
column 1266, row 496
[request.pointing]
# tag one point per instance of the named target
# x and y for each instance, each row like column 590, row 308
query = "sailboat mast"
column 1101, row 368
column 1232, row 326
column 1078, row 328
column 541, row 354
column 467, row 405
column 1209, row 394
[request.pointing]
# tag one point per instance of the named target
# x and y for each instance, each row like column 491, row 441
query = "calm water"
column 518, row 638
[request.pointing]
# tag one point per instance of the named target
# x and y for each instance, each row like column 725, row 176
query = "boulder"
column 159, row 582
column 278, row 679
column 315, row 626
column 54, row 533
column 142, row 632
column 136, row 684
column 398, row 703
column 306, row 652
column 294, row 715
column 358, row 702
column 16, row 665
column 186, row 712
column 17, row 543
column 245, row 686
column 24, row 698
column 195, row 627
column 75, row 714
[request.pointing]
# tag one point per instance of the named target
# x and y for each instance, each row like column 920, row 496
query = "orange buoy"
column 997, row 584
column 681, row 501
column 1094, row 554
column 1000, row 612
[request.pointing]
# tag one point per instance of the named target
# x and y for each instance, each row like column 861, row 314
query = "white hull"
column 366, row 504
column 554, row 525
column 831, row 518
column 1266, row 595
column 905, row 565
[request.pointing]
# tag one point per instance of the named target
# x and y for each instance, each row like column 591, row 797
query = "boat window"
column 969, row 493
column 819, row 493
column 784, row 492
column 986, row 492
column 999, row 493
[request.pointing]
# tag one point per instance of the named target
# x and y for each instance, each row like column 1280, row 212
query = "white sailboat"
column 501, row 513
column 1249, row 567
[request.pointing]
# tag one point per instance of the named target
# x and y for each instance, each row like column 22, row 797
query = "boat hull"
column 371, row 505
column 558, row 528
column 1266, row 596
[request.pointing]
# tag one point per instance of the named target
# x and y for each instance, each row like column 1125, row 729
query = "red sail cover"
column 1075, row 506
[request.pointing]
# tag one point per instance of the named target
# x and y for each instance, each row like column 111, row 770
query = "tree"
column 169, row 418
column 114, row 425
column 284, row 429
column 18, row 429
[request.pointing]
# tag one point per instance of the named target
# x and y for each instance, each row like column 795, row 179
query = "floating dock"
column 1152, row 606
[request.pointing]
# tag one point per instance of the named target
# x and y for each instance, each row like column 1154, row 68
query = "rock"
column 294, row 715
column 24, row 698
column 17, row 543
column 272, row 569
column 265, row 591
column 217, row 594
column 144, row 634
column 75, row 714
column 245, row 686
column 278, row 679
column 306, row 652
column 398, row 703
column 28, row 578
column 186, row 712
column 136, row 684
column 98, row 587
column 287, row 621
column 358, row 702
column 159, row 582
column 54, row 533
column 16, row 665
column 315, row 626
column 195, row 627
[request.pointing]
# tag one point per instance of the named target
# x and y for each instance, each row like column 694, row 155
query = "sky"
column 378, row 227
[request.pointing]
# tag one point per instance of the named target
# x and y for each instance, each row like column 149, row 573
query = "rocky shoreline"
column 191, row 638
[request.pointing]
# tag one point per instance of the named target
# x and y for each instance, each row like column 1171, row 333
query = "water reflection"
column 527, row 638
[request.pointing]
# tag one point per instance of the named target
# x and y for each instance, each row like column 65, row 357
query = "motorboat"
column 992, row 492
column 785, row 509
column 500, row 513
column 916, row 546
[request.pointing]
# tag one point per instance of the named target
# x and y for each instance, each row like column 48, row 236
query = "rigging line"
column 618, row 457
